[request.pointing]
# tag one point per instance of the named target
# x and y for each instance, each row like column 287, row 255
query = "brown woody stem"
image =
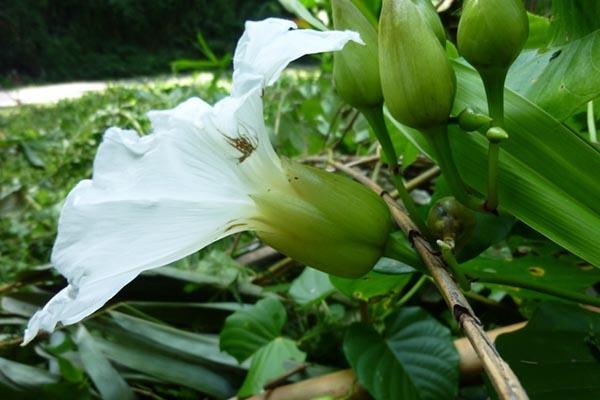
column 503, row 379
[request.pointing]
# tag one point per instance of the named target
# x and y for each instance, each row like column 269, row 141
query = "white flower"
column 157, row 198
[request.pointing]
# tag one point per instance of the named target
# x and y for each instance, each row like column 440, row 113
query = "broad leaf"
column 371, row 285
column 271, row 361
column 560, row 79
column 312, row 285
column 547, row 175
column 106, row 379
column 573, row 19
column 414, row 359
column 557, row 355
column 247, row 331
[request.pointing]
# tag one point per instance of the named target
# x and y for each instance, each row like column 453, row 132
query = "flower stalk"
column 376, row 119
column 493, row 81
column 440, row 145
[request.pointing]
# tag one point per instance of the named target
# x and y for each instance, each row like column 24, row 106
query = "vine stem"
column 376, row 119
column 503, row 379
column 414, row 289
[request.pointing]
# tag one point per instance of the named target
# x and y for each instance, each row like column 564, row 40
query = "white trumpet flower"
column 204, row 172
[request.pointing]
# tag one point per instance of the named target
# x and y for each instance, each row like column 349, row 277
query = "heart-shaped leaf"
column 414, row 359
column 247, row 331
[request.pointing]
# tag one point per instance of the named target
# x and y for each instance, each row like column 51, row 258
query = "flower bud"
column 491, row 33
column 470, row 120
column 432, row 18
column 326, row 221
column 496, row 134
column 356, row 66
column 416, row 76
column 450, row 220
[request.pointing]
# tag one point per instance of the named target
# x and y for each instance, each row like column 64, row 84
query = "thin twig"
column 505, row 382
column 364, row 160
column 418, row 180
column 346, row 129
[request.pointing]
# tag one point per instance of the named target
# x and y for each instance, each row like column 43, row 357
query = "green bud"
column 496, row 134
column 416, row 76
column 450, row 220
column 470, row 120
column 491, row 33
column 356, row 66
column 432, row 18
column 326, row 221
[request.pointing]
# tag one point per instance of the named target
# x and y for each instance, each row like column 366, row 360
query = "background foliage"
column 97, row 39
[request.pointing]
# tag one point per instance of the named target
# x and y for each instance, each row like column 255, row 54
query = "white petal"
column 268, row 46
column 156, row 199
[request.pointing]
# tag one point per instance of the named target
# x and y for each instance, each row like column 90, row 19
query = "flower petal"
column 152, row 201
column 268, row 46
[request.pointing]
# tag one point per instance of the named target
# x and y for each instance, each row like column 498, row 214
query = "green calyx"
column 450, row 220
column 491, row 33
column 417, row 78
column 356, row 66
column 324, row 220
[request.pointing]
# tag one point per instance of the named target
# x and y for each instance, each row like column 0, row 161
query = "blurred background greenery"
column 69, row 40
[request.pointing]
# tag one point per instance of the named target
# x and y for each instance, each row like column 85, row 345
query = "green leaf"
column 543, row 273
column 271, row 361
column 547, row 174
column 414, row 359
column 187, row 344
column 373, row 284
column 573, row 19
column 247, row 331
column 312, row 285
column 561, row 79
column 392, row 266
column 21, row 376
column 539, row 32
column 297, row 8
column 557, row 355
column 139, row 356
column 106, row 379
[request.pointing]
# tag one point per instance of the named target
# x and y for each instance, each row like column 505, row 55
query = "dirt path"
column 48, row 93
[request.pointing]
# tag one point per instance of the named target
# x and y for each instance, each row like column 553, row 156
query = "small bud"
column 470, row 120
column 432, row 18
column 496, row 134
column 450, row 220
column 326, row 221
column 416, row 76
column 491, row 33
column 356, row 66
